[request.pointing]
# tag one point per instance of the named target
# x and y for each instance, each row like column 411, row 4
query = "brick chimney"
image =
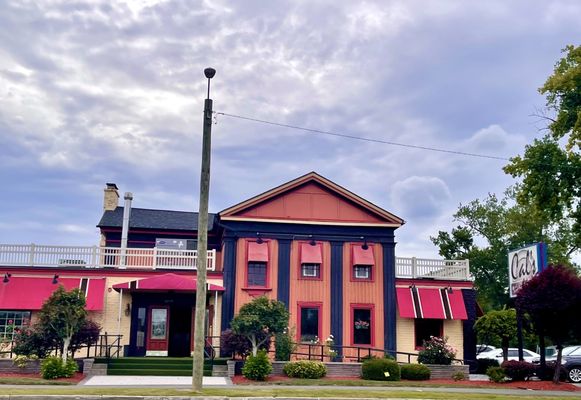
column 111, row 198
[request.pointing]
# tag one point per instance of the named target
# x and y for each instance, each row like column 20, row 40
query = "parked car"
column 529, row 356
column 572, row 365
column 567, row 351
column 483, row 348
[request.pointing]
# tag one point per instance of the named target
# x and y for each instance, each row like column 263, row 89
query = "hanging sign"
column 524, row 263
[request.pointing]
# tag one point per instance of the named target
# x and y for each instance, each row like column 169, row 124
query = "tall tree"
column 552, row 300
column 497, row 326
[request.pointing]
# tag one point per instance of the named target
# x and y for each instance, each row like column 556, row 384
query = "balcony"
column 424, row 268
column 33, row 255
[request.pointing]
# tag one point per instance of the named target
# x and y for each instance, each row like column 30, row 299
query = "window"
column 256, row 273
column 426, row 328
column 11, row 321
column 362, row 326
column 310, row 270
column 362, row 272
column 309, row 328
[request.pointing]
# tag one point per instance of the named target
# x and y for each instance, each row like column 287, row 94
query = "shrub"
column 415, row 372
column 496, row 374
column 21, row 361
column 233, row 345
column 381, row 369
column 305, row 369
column 32, row 342
column 459, row 376
column 518, row 370
column 482, row 364
column 284, row 346
column 257, row 368
column 55, row 367
column 437, row 351
column 87, row 335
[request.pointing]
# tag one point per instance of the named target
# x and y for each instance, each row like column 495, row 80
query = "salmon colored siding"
column 243, row 294
column 363, row 294
column 219, row 263
column 310, row 290
column 311, row 202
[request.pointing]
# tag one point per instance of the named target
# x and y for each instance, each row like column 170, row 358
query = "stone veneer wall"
column 7, row 365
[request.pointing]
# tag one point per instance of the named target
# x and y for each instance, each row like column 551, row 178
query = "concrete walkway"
column 130, row 380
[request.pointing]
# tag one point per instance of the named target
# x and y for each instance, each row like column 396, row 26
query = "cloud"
column 420, row 197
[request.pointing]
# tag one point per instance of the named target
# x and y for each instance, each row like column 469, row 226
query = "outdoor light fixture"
column 364, row 246
column 55, row 279
column 413, row 286
column 312, row 242
column 6, row 277
column 449, row 289
column 259, row 240
column 128, row 310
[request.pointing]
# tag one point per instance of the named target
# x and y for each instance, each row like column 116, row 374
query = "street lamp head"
column 209, row 72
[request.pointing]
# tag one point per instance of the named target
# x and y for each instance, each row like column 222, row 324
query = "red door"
column 158, row 332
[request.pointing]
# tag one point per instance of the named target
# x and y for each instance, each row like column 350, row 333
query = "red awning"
column 311, row 254
column 165, row 282
column 456, row 302
column 363, row 257
column 405, row 303
column 434, row 303
column 30, row 293
column 258, row 251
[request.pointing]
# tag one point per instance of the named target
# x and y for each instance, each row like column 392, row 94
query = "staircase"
column 159, row 366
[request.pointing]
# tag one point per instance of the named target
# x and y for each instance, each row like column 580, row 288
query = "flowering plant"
column 329, row 343
column 437, row 351
column 359, row 324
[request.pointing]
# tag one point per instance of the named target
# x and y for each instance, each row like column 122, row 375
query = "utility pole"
column 202, row 262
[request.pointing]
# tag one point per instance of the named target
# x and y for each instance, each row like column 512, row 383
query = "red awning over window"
column 30, row 293
column 363, row 257
column 165, row 282
column 432, row 304
column 258, row 252
column 405, row 303
column 311, row 254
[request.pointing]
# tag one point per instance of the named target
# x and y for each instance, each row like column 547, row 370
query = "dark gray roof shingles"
column 144, row 218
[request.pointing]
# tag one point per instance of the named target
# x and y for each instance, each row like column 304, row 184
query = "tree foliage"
column 63, row 315
column 552, row 300
column 260, row 317
column 497, row 326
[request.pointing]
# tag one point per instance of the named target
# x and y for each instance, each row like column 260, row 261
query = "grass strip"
column 32, row 381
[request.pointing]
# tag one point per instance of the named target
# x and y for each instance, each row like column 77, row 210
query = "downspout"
column 125, row 228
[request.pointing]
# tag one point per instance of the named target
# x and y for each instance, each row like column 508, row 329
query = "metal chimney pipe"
column 125, row 227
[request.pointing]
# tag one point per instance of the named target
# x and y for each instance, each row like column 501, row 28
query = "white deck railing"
column 33, row 255
column 412, row 267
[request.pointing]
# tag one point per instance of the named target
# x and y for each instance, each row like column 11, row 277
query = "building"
column 325, row 252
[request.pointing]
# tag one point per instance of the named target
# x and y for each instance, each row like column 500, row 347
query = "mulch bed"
column 74, row 379
column 528, row 385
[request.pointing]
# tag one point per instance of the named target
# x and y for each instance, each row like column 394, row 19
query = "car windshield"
column 571, row 350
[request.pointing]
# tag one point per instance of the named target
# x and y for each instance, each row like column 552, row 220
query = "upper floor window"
column 11, row 321
column 363, row 262
column 311, row 258
column 257, row 272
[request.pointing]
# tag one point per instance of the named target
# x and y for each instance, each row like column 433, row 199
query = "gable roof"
column 143, row 218
column 377, row 215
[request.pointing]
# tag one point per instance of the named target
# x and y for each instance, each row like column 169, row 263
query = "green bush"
column 257, row 368
column 496, row 374
column 482, row 364
column 305, row 369
column 381, row 369
column 54, row 367
column 284, row 346
column 519, row 370
column 415, row 372
column 459, row 376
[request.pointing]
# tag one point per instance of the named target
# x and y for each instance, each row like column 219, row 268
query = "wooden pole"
column 202, row 262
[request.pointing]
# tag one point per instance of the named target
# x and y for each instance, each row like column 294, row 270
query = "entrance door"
column 180, row 333
column 157, row 340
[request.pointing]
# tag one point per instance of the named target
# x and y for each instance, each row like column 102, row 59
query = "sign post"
column 523, row 264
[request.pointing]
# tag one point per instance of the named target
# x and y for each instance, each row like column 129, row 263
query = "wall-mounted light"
column 55, row 279
column 413, row 286
column 128, row 310
column 259, row 240
column 364, row 246
column 6, row 277
column 449, row 289
column 312, row 241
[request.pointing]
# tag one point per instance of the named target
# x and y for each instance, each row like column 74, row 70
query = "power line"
column 342, row 135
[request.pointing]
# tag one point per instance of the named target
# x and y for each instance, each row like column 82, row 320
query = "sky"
column 94, row 92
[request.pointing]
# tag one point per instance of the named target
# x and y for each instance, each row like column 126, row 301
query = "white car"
column 496, row 354
column 483, row 348
column 567, row 351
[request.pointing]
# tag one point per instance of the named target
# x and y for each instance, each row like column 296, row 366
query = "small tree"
column 87, row 335
column 552, row 299
column 497, row 326
column 260, row 317
column 63, row 315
